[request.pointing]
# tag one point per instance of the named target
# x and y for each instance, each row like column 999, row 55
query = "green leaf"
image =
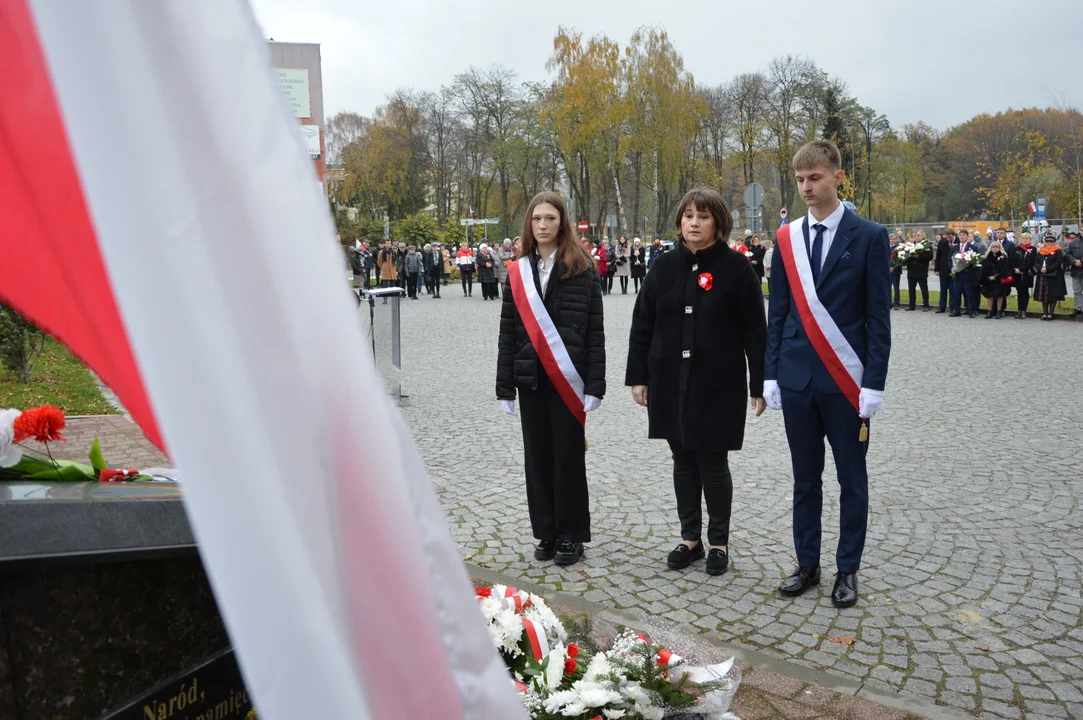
column 96, row 458
column 30, row 464
column 66, row 473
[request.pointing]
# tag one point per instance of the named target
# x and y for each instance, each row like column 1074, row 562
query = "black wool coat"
column 689, row 346
column 575, row 306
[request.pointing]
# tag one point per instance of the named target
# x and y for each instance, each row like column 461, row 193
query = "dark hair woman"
column 1049, row 285
column 638, row 262
column 698, row 317
column 552, row 351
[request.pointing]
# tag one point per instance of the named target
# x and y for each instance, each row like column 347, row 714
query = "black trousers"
column 1023, row 290
column 556, row 469
column 624, row 284
column 609, row 280
column 636, row 281
column 468, row 282
column 411, row 285
column 703, row 473
column 896, row 280
column 489, row 289
column 913, row 283
column 434, row 284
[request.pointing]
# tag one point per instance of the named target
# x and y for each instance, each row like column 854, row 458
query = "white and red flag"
column 159, row 215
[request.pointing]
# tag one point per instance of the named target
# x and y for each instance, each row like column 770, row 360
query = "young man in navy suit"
column 828, row 341
column 962, row 282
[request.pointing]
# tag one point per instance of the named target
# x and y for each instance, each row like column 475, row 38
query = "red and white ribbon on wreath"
column 665, row 657
column 545, row 338
column 535, row 634
column 515, row 599
column 827, row 340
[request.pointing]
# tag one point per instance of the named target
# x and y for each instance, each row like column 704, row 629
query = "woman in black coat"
column 759, row 252
column 639, row 263
column 996, row 279
column 1049, row 285
column 699, row 316
column 1023, row 256
column 487, row 272
column 560, row 269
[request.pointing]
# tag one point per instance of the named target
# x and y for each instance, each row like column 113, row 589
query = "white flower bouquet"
column 633, row 678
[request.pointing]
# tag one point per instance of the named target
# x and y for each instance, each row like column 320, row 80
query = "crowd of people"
column 970, row 269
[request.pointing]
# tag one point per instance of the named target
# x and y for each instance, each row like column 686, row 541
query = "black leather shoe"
column 682, row 556
column 718, row 562
column 926, row 309
column 802, row 579
column 545, row 550
column 909, row 309
column 940, row 311
column 845, row 592
column 568, row 553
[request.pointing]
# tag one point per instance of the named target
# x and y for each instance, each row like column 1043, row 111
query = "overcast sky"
column 941, row 61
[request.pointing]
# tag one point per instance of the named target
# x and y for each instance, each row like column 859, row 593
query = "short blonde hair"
column 818, row 153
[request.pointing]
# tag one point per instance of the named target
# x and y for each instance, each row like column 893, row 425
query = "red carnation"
column 573, row 650
column 706, row 281
column 43, row 424
column 569, row 666
column 483, row 592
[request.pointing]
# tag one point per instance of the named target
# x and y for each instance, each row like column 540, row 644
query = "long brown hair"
column 569, row 250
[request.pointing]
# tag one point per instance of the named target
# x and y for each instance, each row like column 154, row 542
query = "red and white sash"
column 827, row 340
column 545, row 338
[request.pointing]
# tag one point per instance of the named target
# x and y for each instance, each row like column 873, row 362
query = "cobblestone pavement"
column 971, row 578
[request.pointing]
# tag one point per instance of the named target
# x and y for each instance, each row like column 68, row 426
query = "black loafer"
column 545, row 550
column 845, row 592
column 802, row 579
column 718, row 562
column 682, row 556
column 568, row 553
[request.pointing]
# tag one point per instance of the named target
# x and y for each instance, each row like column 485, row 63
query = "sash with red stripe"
column 545, row 338
column 827, row 340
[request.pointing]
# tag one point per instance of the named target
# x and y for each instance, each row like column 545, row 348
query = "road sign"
column 480, row 221
column 754, row 195
column 783, row 213
column 387, row 230
column 583, row 226
column 1040, row 214
column 611, row 221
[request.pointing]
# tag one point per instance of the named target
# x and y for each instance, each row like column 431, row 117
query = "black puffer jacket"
column 575, row 305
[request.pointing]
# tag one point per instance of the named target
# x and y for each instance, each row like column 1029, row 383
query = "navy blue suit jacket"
column 855, row 288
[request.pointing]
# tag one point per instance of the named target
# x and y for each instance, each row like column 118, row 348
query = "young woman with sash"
column 552, row 353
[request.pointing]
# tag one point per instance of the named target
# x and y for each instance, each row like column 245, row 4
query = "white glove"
column 591, row 403
column 508, row 406
column 870, row 402
column 772, row 395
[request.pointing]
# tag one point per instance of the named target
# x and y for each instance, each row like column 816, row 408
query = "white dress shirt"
column 545, row 268
column 831, row 223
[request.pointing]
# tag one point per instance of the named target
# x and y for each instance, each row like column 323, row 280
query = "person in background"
column 447, row 264
column 742, row 247
column 1049, row 285
column 600, row 255
column 757, row 253
column 697, row 328
column 487, row 262
column 896, row 273
column 917, row 275
column 623, row 254
column 433, row 267
column 400, row 264
column 501, row 266
column 506, row 254
column 657, row 251
column 465, row 260
column 770, row 247
column 611, row 267
column 426, row 254
column 638, row 261
column 1023, row 272
column 996, row 278
column 962, row 282
column 942, row 266
column 1073, row 255
column 411, row 265
column 387, row 274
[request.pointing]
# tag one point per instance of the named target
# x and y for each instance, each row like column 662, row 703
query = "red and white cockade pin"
column 706, row 281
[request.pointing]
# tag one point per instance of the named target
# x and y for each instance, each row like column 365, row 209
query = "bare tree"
column 442, row 136
column 746, row 100
column 342, row 129
column 787, row 113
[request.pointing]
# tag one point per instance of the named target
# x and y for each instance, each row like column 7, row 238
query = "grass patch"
column 57, row 378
